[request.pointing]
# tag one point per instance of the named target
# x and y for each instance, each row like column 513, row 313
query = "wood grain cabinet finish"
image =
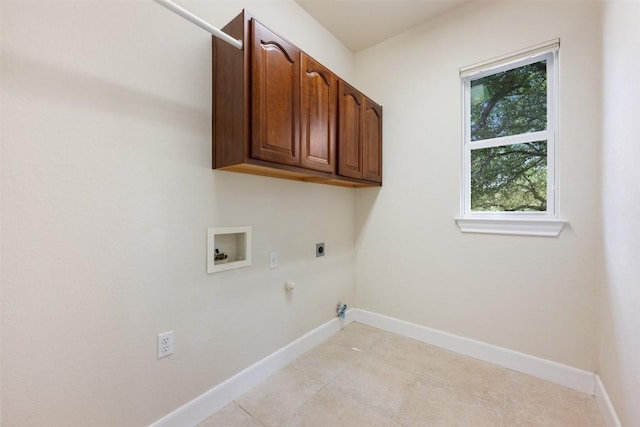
column 319, row 113
column 360, row 135
column 350, row 108
column 275, row 109
column 372, row 141
column 277, row 112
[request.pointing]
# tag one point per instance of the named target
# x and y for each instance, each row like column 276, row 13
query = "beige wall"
column 107, row 190
column 531, row 294
column 619, row 328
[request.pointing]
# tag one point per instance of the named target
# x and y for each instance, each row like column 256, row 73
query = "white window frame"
column 523, row 223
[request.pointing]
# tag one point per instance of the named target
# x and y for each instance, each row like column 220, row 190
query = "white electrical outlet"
column 273, row 259
column 165, row 344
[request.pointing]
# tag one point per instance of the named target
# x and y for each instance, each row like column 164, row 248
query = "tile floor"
column 363, row 376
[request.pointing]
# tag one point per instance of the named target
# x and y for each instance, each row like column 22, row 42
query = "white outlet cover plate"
column 165, row 344
column 273, row 259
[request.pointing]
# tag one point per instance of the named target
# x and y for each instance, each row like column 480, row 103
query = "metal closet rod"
column 200, row 22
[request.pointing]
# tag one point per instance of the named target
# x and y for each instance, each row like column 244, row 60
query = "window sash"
column 549, row 53
column 509, row 140
column 549, row 188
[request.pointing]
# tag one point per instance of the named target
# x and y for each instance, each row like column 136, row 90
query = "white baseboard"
column 218, row 397
column 557, row 373
column 606, row 407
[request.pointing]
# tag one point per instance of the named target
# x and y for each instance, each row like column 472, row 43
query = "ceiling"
column 359, row 24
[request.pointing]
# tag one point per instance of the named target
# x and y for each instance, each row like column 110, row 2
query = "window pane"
column 509, row 103
column 509, row 178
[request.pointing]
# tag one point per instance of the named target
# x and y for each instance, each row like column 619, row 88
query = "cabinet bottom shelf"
column 296, row 176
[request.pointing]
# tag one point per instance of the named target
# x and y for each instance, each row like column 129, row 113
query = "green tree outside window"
column 510, row 177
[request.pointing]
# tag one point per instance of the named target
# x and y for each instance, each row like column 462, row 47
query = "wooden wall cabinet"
column 275, row 96
column 319, row 116
column 278, row 112
column 360, row 135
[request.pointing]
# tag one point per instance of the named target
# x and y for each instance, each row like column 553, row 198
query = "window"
column 509, row 173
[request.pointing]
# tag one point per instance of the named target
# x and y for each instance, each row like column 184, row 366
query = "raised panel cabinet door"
column 275, row 97
column 350, row 135
column 318, row 115
column 372, row 141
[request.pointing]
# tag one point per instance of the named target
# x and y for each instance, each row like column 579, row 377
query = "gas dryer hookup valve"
column 342, row 308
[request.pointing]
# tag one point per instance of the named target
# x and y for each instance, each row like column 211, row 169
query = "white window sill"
column 517, row 226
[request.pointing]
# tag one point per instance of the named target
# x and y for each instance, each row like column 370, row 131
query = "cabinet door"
column 350, row 134
column 318, row 115
column 275, row 97
column 372, row 141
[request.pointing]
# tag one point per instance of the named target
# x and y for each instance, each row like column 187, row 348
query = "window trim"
column 546, row 223
column 548, row 227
